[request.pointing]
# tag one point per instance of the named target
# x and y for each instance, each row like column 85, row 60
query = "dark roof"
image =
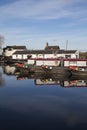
column 16, row 47
column 52, row 48
column 46, row 52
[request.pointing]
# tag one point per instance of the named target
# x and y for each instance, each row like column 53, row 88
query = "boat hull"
column 53, row 70
column 77, row 73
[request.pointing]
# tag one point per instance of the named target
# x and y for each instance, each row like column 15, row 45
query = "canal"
column 41, row 103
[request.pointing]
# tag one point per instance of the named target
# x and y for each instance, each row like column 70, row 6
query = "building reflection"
column 9, row 69
column 2, row 81
column 48, row 81
column 44, row 79
column 62, row 83
column 74, row 83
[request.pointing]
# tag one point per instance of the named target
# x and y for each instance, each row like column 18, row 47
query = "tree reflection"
column 2, row 82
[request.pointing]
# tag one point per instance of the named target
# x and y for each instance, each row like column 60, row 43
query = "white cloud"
column 74, row 14
column 47, row 9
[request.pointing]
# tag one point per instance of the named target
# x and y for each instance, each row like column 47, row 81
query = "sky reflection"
column 26, row 105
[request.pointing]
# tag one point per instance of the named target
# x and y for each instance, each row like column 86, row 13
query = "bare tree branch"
column 1, row 42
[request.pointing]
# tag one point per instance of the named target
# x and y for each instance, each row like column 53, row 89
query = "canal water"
column 42, row 104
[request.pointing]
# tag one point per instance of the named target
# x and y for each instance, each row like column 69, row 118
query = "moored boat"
column 79, row 73
column 49, row 70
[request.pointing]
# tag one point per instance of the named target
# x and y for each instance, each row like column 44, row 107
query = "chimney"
column 46, row 44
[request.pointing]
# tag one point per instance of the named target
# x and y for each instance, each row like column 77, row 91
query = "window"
column 16, row 56
column 67, row 56
column 9, row 49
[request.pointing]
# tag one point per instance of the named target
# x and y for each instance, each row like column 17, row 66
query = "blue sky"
column 35, row 22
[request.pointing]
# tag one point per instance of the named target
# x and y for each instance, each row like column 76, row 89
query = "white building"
column 9, row 50
column 45, row 54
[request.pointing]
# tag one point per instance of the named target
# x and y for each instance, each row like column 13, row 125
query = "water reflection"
column 2, row 81
column 9, row 69
column 44, row 79
column 24, row 105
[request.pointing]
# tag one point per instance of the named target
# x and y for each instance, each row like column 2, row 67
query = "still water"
column 33, row 103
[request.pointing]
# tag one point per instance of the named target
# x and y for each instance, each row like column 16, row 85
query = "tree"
column 1, row 43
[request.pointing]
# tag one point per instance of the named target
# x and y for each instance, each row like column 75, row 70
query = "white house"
column 45, row 54
column 9, row 50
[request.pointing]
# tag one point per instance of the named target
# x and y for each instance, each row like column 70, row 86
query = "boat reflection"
column 62, row 82
column 74, row 83
column 51, row 80
column 44, row 79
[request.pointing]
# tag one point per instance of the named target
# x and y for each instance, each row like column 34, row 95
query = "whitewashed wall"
column 24, row 56
column 9, row 53
column 49, row 56
column 14, row 57
column 19, row 56
column 34, row 55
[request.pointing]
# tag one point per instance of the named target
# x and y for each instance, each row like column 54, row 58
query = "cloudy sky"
column 35, row 22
